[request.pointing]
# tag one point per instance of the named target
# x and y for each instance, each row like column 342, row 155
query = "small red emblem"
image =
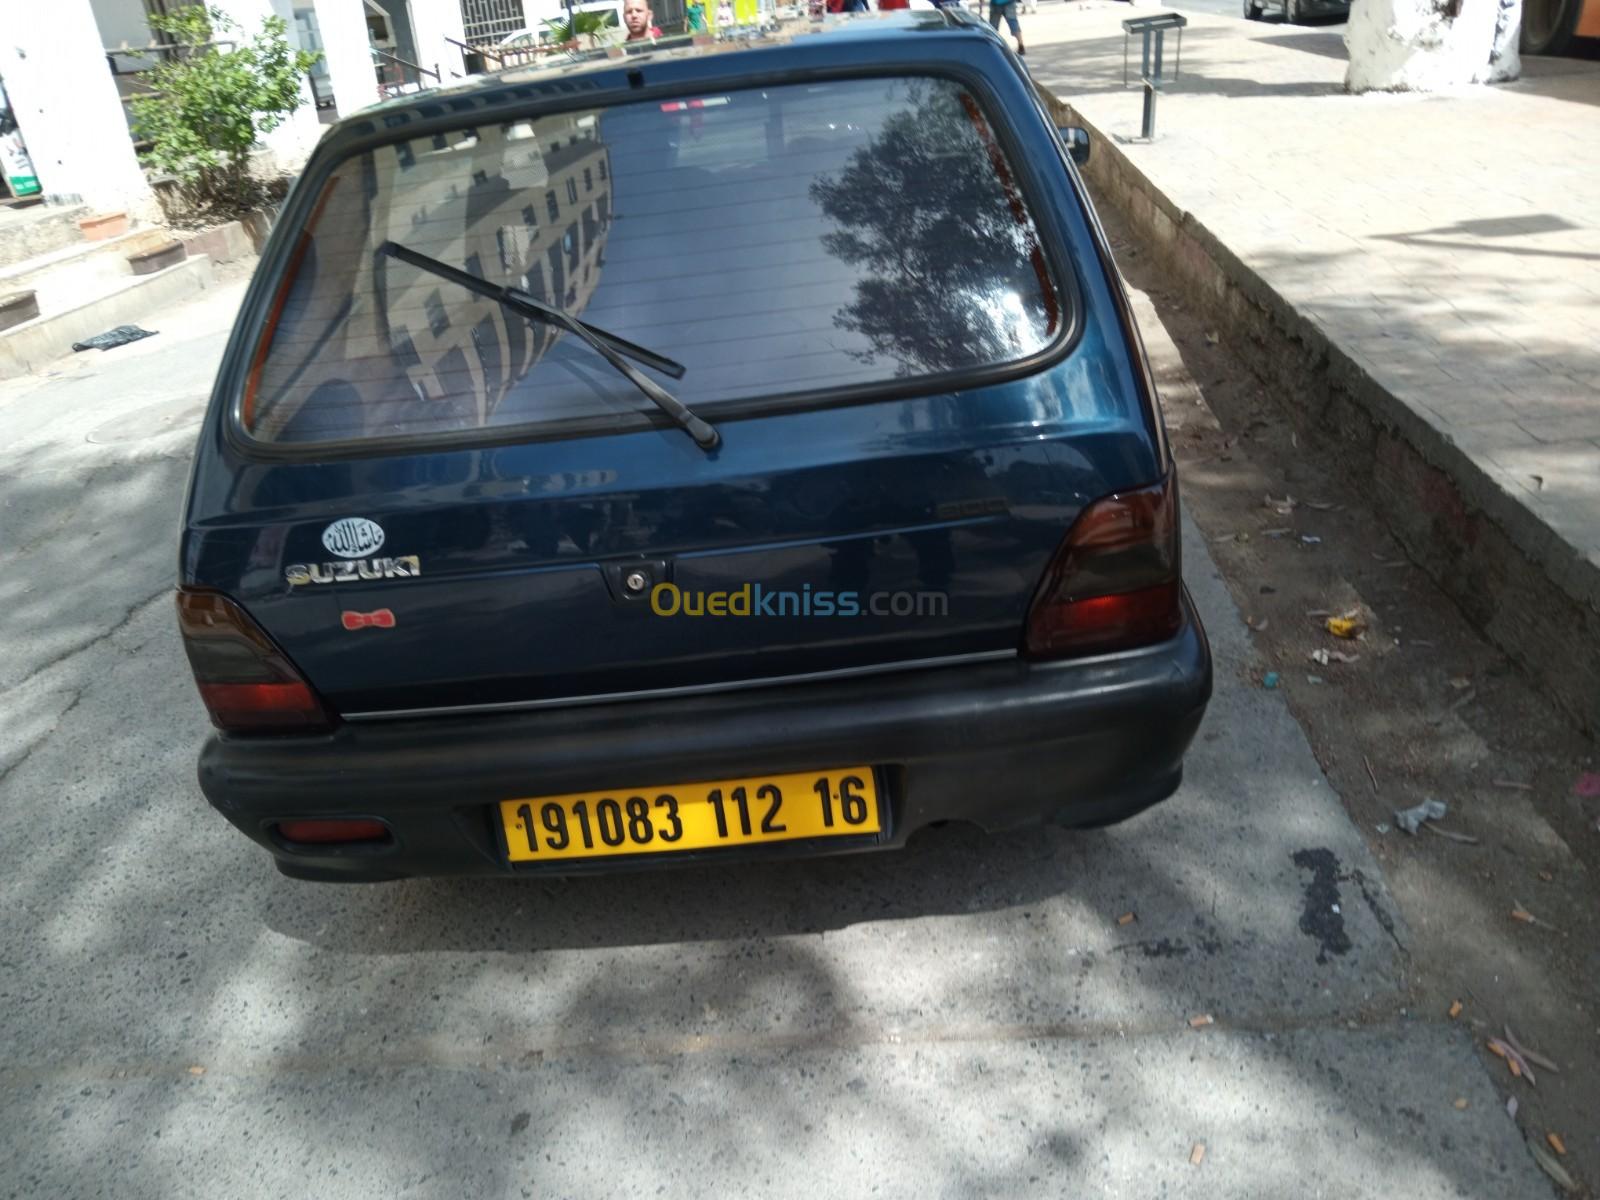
column 381, row 619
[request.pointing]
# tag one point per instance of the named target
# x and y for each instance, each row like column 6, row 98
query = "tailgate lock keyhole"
column 631, row 582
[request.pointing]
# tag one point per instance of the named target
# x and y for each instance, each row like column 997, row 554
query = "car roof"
column 803, row 41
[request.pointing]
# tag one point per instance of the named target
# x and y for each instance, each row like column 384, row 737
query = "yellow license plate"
column 693, row 816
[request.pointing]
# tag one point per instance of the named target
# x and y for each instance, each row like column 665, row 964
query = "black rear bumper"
column 998, row 743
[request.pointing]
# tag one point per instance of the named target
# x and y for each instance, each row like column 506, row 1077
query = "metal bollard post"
column 1152, row 59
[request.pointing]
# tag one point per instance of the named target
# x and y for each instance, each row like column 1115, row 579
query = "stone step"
column 35, row 344
column 38, row 229
column 68, row 276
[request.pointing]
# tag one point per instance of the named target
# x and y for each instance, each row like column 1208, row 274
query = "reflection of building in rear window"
column 793, row 240
column 438, row 319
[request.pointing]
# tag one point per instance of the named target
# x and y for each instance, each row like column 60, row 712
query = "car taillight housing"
column 1113, row 583
column 247, row 683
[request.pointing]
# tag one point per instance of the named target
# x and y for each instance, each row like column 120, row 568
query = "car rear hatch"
column 431, row 502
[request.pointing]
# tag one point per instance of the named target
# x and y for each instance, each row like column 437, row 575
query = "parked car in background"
column 704, row 455
column 1295, row 11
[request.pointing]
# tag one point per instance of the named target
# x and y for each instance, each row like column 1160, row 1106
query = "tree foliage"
column 923, row 212
column 591, row 25
column 214, row 98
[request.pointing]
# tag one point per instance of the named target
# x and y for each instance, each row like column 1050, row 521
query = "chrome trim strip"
column 698, row 689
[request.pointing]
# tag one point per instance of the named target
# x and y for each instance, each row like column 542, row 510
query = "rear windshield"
column 773, row 242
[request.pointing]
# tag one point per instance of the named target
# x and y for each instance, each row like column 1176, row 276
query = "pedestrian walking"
column 1008, row 10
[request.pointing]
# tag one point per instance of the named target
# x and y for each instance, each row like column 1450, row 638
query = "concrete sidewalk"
column 1421, row 272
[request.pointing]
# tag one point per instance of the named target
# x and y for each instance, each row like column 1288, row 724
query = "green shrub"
column 213, row 102
column 591, row 25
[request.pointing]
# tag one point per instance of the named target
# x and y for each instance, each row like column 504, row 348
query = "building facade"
column 70, row 75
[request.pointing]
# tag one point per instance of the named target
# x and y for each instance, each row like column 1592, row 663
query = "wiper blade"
column 530, row 307
column 613, row 349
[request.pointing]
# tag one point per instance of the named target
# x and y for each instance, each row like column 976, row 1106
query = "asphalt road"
column 965, row 1018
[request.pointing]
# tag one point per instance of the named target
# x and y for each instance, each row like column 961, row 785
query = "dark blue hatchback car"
column 726, row 451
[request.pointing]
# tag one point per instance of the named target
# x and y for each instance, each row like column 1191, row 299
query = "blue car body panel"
column 961, row 492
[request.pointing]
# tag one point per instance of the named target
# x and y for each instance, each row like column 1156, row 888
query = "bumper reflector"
column 326, row 832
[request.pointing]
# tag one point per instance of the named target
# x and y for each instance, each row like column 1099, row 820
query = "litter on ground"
column 112, row 338
column 1551, row 1166
column 1532, row 1056
column 1451, row 835
column 1346, row 625
column 1411, row 819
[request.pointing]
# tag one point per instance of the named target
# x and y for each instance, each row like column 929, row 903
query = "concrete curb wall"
column 235, row 241
column 1516, row 579
column 35, row 344
column 40, row 230
column 73, row 272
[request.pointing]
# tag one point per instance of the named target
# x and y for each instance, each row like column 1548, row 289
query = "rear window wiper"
column 609, row 346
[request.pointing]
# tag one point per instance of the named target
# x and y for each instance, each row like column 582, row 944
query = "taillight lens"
column 247, row 683
column 1113, row 582
column 333, row 831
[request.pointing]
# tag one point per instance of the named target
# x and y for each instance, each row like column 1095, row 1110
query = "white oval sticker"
column 353, row 537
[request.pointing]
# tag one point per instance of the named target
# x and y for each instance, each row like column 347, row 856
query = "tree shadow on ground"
column 349, row 1029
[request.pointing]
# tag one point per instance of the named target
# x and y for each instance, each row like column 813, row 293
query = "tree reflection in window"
column 931, row 211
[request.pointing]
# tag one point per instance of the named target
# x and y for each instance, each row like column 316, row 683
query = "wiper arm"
column 613, row 349
column 530, row 307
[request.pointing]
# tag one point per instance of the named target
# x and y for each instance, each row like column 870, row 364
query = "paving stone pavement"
column 1449, row 244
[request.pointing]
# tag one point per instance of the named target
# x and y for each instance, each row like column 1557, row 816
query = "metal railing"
column 394, row 82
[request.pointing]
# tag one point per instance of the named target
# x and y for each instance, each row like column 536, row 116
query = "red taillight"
column 323, row 832
column 247, row 683
column 1113, row 582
